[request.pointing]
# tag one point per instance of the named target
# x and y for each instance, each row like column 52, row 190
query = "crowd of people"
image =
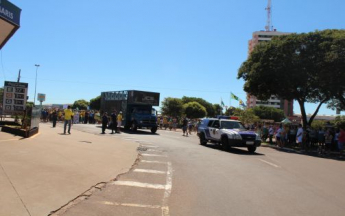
column 79, row 116
column 171, row 123
column 324, row 139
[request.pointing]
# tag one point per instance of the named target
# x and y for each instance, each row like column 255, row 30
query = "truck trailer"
column 136, row 107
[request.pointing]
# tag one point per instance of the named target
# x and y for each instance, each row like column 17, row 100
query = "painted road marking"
column 153, row 150
column 167, row 192
column 149, row 171
column 149, row 146
column 158, row 162
column 9, row 140
column 272, row 164
column 153, row 155
column 131, row 205
column 140, row 184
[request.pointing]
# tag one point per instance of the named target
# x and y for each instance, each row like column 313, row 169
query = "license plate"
column 250, row 142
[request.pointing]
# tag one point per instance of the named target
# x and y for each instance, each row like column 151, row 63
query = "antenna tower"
column 269, row 26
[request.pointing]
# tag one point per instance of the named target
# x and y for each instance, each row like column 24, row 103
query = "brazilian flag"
column 234, row 96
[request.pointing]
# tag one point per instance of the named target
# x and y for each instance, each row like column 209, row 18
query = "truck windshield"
column 142, row 111
column 231, row 125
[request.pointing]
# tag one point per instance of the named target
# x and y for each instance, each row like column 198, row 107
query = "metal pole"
column 37, row 65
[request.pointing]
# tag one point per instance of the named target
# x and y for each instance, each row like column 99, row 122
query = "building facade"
column 273, row 101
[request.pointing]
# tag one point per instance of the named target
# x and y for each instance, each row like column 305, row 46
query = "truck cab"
column 142, row 116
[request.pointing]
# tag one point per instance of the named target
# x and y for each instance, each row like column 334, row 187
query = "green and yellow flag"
column 234, row 96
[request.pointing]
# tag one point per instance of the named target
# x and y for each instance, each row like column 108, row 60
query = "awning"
column 9, row 21
column 286, row 121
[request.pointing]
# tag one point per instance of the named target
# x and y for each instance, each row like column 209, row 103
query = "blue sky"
column 175, row 47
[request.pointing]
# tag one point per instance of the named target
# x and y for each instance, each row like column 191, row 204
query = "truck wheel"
column 134, row 126
column 251, row 149
column 225, row 143
column 154, row 130
column 203, row 141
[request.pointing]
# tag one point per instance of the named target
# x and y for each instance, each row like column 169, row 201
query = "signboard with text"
column 15, row 94
column 41, row 97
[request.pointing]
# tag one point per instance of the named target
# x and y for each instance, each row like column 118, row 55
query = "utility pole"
column 18, row 80
column 36, row 65
column 269, row 26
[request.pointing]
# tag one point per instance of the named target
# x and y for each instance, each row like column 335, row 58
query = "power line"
column 147, row 87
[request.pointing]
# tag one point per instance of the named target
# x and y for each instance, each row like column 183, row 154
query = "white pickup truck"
column 227, row 133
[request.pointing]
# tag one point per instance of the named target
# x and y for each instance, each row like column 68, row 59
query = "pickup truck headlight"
column 237, row 136
column 257, row 137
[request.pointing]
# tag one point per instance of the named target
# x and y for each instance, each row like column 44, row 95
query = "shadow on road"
column 311, row 153
column 234, row 150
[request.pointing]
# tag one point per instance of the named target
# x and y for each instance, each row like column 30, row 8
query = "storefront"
column 9, row 21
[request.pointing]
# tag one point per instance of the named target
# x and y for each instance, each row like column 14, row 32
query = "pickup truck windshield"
column 231, row 125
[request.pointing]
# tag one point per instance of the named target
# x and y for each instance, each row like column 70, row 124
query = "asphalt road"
column 174, row 175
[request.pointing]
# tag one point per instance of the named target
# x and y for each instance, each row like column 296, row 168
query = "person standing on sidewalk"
column 270, row 134
column 299, row 135
column 341, row 141
column 119, row 121
column 184, row 126
column 104, row 122
column 68, row 119
column 54, row 118
column 113, row 122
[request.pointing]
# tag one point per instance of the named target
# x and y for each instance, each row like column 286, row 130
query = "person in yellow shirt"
column 68, row 119
column 119, row 121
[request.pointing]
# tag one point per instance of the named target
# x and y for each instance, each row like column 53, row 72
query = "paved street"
column 207, row 181
column 174, row 175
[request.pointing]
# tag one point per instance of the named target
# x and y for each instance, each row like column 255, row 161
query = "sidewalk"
column 312, row 152
column 41, row 174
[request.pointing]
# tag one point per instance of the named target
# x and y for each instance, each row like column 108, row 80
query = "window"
column 210, row 123
column 216, row 124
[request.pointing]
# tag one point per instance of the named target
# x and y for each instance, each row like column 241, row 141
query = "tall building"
column 273, row 101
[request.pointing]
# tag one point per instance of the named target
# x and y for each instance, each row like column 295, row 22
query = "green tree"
column 297, row 67
column 246, row 116
column 172, row 107
column 232, row 110
column 316, row 124
column 29, row 104
column 80, row 104
column 194, row 110
column 269, row 113
column 339, row 121
column 218, row 109
column 211, row 112
column 95, row 103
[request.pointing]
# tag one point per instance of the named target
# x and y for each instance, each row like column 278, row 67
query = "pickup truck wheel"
column 225, row 143
column 251, row 149
column 203, row 141
column 154, row 130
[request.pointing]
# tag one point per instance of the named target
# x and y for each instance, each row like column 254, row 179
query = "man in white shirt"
column 271, row 133
column 299, row 134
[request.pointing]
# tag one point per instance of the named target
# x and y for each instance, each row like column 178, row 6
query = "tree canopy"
column 194, row 110
column 172, row 107
column 246, row 116
column 304, row 67
column 80, row 104
column 209, row 107
column 269, row 113
column 95, row 103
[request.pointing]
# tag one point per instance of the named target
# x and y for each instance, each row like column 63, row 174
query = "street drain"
column 86, row 141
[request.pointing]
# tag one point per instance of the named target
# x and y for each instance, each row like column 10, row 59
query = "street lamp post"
column 37, row 65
